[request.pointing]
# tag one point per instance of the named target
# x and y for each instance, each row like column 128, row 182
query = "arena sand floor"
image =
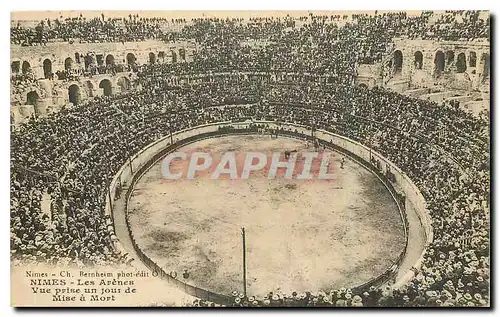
column 300, row 235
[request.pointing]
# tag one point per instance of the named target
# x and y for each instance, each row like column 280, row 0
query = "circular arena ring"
column 321, row 253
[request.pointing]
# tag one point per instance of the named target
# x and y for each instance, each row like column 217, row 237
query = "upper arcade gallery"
column 46, row 64
column 436, row 59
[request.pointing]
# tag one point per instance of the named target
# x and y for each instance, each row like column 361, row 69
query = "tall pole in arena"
column 244, row 263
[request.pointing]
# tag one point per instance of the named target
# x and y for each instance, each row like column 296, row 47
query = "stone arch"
column 105, row 84
column 74, row 94
column 47, row 68
column 363, row 86
column 26, row 67
column 472, row 59
column 397, row 62
column 419, row 60
column 182, row 54
column 439, row 62
column 124, row 83
column 152, row 58
column 32, row 98
column 110, row 59
column 461, row 63
column 68, row 63
column 131, row 59
column 174, row 57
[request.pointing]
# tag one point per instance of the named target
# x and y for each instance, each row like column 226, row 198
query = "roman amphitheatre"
column 400, row 100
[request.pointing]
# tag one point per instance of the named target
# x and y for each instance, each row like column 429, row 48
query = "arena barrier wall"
column 138, row 164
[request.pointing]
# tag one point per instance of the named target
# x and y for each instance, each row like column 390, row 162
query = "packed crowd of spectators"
column 89, row 71
column 96, row 140
column 306, row 43
column 98, row 137
column 459, row 25
column 93, row 30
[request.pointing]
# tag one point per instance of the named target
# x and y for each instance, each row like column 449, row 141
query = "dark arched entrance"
column 174, row 57
column 74, row 94
column 461, row 63
column 32, row 98
column 110, row 60
column 439, row 62
column 130, row 59
column 152, row 58
column 68, row 63
column 398, row 62
column 26, row 67
column 105, row 84
column 419, row 60
column 47, row 68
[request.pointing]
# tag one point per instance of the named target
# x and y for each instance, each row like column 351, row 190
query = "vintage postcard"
column 250, row 159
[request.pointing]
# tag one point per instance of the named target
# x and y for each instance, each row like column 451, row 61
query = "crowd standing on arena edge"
column 72, row 155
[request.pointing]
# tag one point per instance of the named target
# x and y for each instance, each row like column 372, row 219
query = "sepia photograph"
column 250, row 159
